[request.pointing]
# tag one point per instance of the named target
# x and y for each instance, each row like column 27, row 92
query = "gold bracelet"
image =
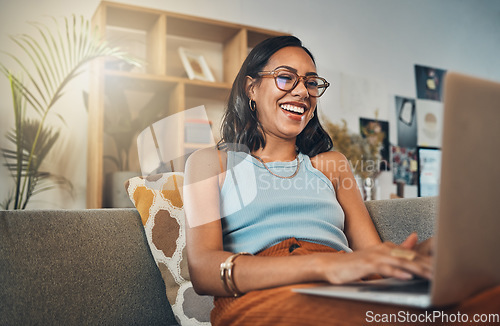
column 226, row 274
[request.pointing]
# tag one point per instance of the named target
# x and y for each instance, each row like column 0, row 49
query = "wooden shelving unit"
column 161, row 85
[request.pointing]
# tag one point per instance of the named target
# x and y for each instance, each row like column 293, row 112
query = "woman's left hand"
column 424, row 248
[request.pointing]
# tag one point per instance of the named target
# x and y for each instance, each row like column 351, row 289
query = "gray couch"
column 94, row 267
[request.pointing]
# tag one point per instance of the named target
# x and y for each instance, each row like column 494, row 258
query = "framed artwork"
column 429, row 82
column 429, row 123
column 374, row 129
column 429, row 171
column 404, row 165
column 406, row 121
column 195, row 65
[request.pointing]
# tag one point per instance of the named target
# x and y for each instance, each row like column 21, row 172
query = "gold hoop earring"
column 252, row 104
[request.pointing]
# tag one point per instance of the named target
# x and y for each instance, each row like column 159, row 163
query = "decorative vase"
column 372, row 188
column 369, row 188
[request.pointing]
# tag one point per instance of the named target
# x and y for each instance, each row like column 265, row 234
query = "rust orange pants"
column 282, row 306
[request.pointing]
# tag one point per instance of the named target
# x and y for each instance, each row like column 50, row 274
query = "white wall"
column 379, row 41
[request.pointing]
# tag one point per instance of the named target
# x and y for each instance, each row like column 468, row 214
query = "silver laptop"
column 466, row 259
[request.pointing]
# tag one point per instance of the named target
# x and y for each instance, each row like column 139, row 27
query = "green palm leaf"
column 56, row 56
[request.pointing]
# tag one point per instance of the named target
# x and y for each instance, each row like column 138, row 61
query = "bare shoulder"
column 331, row 155
column 330, row 162
column 206, row 162
column 206, row 157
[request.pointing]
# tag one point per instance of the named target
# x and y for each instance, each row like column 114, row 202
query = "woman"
column 273, row 207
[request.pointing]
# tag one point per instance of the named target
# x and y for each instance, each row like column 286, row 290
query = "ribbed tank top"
column 259, row 210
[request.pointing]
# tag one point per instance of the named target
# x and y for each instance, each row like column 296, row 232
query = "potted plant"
column 363, row 153
column 55, row 58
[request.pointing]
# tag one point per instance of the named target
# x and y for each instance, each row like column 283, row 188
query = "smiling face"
column 283, row 114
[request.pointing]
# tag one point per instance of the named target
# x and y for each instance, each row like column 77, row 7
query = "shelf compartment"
column 127, row 16
column 146, row 28
column 211, row 51
column 118, row 91
column 148, row 82
column 200, row 28
column 140, row 81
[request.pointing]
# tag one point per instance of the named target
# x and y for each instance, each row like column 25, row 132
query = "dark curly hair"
column 240, row 125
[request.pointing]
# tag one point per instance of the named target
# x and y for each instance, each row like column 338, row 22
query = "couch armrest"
column 395, row 219
column 78, row 267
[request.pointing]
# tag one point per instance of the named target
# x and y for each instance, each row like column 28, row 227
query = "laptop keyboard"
column 420, row 286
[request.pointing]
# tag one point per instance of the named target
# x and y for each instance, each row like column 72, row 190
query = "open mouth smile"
column 298, row 110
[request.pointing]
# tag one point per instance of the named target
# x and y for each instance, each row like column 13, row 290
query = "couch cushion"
column 395, row 219
column 78, row 267
column 159, row 202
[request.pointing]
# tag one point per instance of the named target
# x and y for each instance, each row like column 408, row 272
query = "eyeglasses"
column 287, row 80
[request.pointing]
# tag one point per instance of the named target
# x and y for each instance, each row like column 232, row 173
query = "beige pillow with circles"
column 158, row 200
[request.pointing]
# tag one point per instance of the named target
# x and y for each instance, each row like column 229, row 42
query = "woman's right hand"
column 380, row 259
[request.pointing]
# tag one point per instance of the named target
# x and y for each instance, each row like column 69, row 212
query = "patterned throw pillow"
column 158, row 200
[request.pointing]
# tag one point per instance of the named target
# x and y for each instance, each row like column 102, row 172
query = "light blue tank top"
column 259, row 210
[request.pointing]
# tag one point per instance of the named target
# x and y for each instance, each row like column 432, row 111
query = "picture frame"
column 195, row 65
column 429, row 171
column 406, row 122
column 429, row 82
column 404, row 165
column 378, row 126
